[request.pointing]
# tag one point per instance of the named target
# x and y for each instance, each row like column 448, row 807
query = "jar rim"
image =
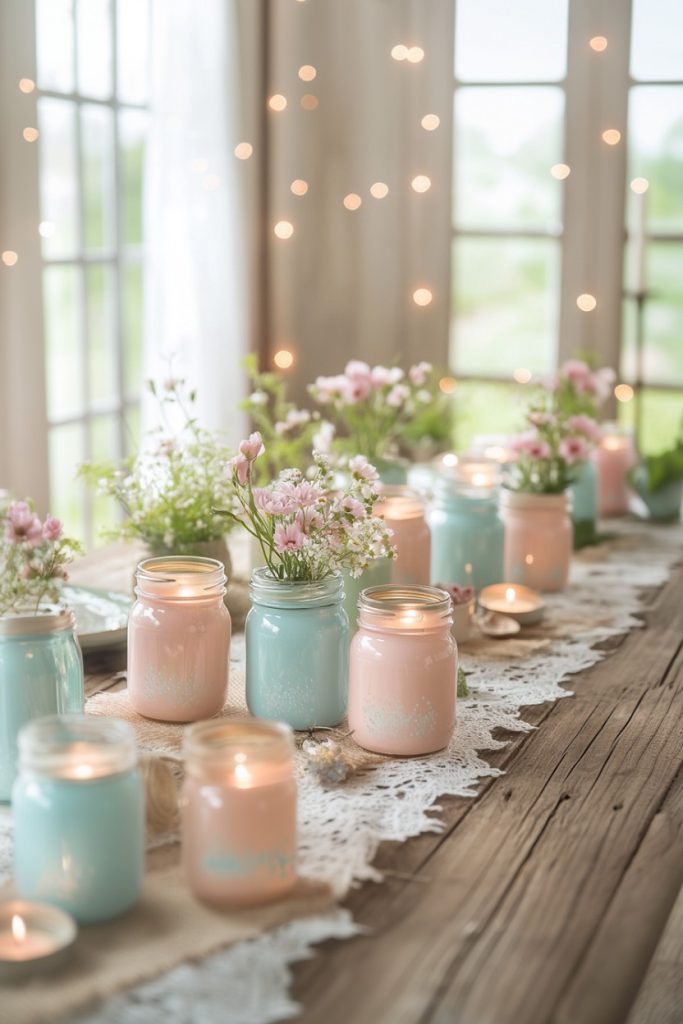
column 397, row 597
column 158, row 576
column 213, row 740
column 408, row 503
column 49, row 746
column 50, row 619
column 264, row 588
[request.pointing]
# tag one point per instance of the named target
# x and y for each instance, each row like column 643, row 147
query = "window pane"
column 132, row 322
column 104, row 447
column 131, row 423
column 486, row 408
column 663, row 317
column 98, row 186
column 660, row 419
column 54, row 44
column 132, row 132
column 67, row 451
column 58, row 177
column 656, row 35
column 94, row 48
column 506, row 141
column 133, row 50
column 101, row 340
column 656, row 153
column 505, row 305
column 500, row 41
column 61, row 296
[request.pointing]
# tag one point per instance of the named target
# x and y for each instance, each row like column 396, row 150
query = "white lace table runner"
column 341, row 828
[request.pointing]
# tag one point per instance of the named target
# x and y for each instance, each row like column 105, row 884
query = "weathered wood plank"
column 514, row 895
column 660, row 999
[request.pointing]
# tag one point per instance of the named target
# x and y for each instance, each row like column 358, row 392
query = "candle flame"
column 83, row 771
column 510, row 594
column 18, row 929
column 450, row 459
column 242, row 776
column 529, row 559
column 480, row 479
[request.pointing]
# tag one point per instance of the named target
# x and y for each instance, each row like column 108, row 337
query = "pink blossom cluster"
column 584, row 381
column 33, row 555
column 360, row 381
column 457, row 594
column 22, row 526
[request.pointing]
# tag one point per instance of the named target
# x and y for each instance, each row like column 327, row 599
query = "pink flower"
column 585, row 425
column 274, row 503
column 252, row 448
column 23, row 525
column 360, row 467
column 604, row 379
column 537, row 449
column 356, row 389
column 52, row 528
column 398, row 395
column 355, row 369
column 308, row 519
column 574, row 449
column 354, row 507
column 323, row 437
column 541, row 419
column 288, row 538
column 575, row 370
column 458, row 595
column 381, row 376
column 240, row 466
column 418, row 374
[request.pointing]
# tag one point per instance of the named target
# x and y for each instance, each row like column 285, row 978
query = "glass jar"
column 584, row 502
column 78, row 807
column 392, row 469
column 403, row 512
column 467, row 534
column 238, row 810
column 41, row 673
column 538, row 539
column 297, row 650
column 377, row 573
column 179, row 639
column 614, row 457
column 403, row 671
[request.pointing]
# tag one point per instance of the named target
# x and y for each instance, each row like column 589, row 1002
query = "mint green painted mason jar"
column 297, row 650
column 41, row 673
column 467, row 535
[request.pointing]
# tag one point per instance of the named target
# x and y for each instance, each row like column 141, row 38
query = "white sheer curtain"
column 195, row 280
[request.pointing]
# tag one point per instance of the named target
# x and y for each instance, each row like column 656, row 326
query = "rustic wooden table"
column 551, row 897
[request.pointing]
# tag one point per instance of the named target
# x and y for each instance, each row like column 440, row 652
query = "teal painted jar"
column 297, row 648
column 79, row 821
column 392, row 470
column 467, row 533
column 584, row 493
column 664, row 504
column 377, row 574
column 41, row 673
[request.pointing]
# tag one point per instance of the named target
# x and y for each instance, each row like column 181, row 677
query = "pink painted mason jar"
column 538, row 539
column 614, row 457
column 403, row 671
column 238, row 809
column 403, row 511
column 179, row 639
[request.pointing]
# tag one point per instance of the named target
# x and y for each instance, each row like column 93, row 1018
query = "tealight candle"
column 78, row 805
column 520, row 603
column 179, row 639
column 614, row 457
column 403, row 671
column 34, row 938
column 238, row 811
column 403, row 512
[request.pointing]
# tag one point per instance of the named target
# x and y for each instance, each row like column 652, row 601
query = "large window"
column 92, row 90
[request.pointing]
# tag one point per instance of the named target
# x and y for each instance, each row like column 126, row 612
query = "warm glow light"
column 284, row 229
column 309, row 101
column 421, row 183
column 379, row 190
column 18, row 929
column 430, row 121
column 283, row 359
column 307, row 73
column 399, row 52
column 277, row 102
column 352, row 201
column 522, row 376
column 30, row 134
column 586, row 302
column 9, row 257
column 299, row 187
column 598, row 43
column 242, row 776
column 510, row 595
column 480, row 480
column 83, row 771
column 623, row 392
column 529, row 559
column 611, row 136
column 27, row 84
column 560, row 171
column 447, row 386
column 640, row 185
column 46, row 229
column 211, row 182
column 243, row 150
column 450, row 459
column 415, row 54
column 422, row 296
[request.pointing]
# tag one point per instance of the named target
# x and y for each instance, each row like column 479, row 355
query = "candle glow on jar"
column 520, row 603
column 403, row 512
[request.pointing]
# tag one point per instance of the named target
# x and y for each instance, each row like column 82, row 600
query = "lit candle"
column 614, row 457
column 239, row 811
column 402, row 671
column 403, row 512
column 34, row 938
column 179, row 639
column 520, row 603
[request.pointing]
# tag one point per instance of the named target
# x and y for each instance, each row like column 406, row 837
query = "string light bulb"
column 623, row 392
column 283, row 359
column 379, row 190
column 309, row 101
column 26, row 85
column 422, row 296
column 283, row 229
column 430, row 122
column 46, row 229
column 299, row 187
column 586, row 302
column 307, row 72
column 243, row 150
column 30, row 134
column 522, row 375
column 415, row 54
column 611, row 136
column 560, row 171
column 277, row 102
column 421, row 183
column 399, row 52
column 9, row 257
column 352, row 201
column 640, row 185
column 447, row 386
column 598, row 43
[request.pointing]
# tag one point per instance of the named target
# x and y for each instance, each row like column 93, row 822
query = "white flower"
column 258, row 398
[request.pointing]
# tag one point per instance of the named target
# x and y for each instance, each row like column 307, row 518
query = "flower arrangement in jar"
column 308, row 531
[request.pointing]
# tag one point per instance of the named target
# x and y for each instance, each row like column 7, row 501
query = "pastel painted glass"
column 297, row 650
column 41, row 673
column 403, row 512
column 79, row 823
column 403, row 671
column 467, row 533
column 584, row 494
column 614, row 457
column 238, row 810
column 179, row 639
column 538, row 539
